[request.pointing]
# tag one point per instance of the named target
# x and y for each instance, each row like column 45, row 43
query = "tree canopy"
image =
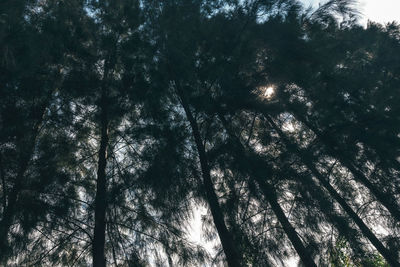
column 120, row 119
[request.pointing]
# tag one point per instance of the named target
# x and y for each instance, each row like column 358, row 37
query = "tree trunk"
column 8, row 214
column 99, row 259
column 270, row 195
column 232, row 254
column 385, row 199
column 3, row 183
column 308, row 160
column 26, row 154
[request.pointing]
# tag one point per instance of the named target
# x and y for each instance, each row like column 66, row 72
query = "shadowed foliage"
column 122, row 121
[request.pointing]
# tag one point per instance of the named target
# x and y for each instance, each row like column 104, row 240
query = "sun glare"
column 269, row 92
column 265, row 92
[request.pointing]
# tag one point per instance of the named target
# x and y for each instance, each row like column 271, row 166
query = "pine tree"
column 118, row 119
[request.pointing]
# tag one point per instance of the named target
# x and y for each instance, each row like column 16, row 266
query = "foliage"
column 120, row 119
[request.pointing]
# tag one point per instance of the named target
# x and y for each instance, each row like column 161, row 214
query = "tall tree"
column 118, row 119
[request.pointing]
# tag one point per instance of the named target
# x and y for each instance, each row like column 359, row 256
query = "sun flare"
column 269, row 92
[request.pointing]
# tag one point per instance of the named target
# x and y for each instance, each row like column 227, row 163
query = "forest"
column 121, row 119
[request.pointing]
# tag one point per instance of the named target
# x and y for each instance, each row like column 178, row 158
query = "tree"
column 119, row 118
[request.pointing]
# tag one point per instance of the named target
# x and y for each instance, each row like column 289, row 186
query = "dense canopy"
column 120, row 120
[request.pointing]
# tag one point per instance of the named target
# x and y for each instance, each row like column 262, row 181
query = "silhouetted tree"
column 118, row 119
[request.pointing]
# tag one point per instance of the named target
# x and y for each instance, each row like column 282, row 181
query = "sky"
column 381, row 11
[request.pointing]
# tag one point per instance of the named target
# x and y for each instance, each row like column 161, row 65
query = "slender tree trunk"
column 8, row 214
column 270, row 195
column 231, row 252
column 324, row 201
column 26, row 154
column 3, row 183
column 385, row 199
column 308, row 160
column 98, row 255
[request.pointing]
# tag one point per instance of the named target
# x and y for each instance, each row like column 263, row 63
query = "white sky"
column 382, row 11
